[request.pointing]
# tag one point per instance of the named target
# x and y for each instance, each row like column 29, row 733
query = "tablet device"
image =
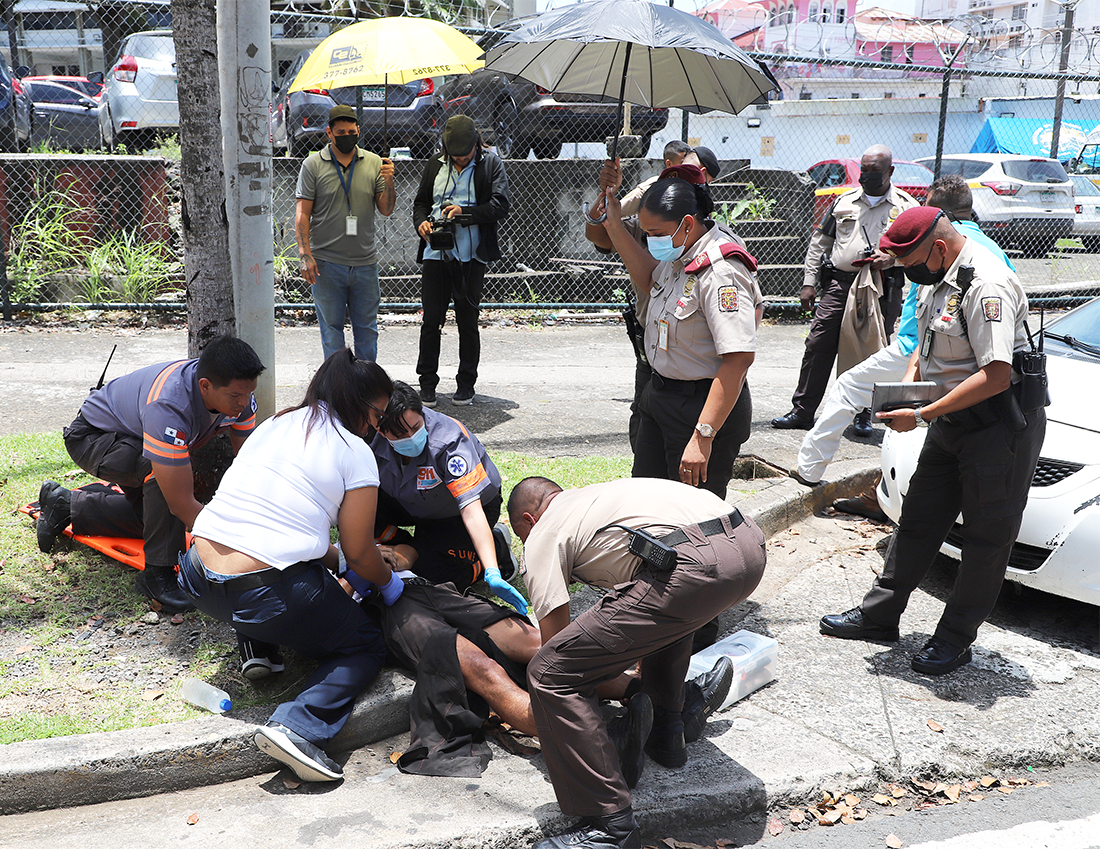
column 896, row 396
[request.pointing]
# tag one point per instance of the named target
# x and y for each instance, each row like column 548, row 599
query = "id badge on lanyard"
column 351, row 223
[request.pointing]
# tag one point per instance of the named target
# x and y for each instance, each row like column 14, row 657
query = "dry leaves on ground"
column 893, row 841
column 194, row 818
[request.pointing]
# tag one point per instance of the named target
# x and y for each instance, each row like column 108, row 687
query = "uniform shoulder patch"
column 457, row 465
column 727, row 299
column 175, row 436
column 991, row 308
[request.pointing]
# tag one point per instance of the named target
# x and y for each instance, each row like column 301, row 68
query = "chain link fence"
column 82, row 226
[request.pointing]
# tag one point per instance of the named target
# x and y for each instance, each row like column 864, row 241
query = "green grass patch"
column 75, row 654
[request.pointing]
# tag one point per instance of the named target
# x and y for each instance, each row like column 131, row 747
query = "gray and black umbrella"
column 633, row 51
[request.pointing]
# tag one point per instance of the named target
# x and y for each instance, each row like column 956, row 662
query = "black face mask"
column 345, row 144
column 872, row 182
column 922, row 275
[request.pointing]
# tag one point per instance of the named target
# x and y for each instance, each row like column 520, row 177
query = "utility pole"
column 244, row 41
column 1063, row 65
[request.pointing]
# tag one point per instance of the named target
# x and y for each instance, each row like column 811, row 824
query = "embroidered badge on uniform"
column 992, row 309
column 176, row 437
column 426, row 478
column 952, row 304
column 457, row 465
column 689, row 286
column 727, row 299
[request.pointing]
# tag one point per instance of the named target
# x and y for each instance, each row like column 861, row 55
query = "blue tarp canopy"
column 1031, row 136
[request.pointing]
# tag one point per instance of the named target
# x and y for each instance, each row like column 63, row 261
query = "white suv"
column 140, row 97
column 1024, row 202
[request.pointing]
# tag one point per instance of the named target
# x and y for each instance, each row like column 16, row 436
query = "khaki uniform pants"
column 651, row 620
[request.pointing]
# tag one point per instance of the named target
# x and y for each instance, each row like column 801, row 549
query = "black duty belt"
column 845, row 277
column 684, row 387
column 252, row 580
column 710, row 528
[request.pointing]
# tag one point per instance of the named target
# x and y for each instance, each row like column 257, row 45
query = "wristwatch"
column 705, row 430
column 917, row 417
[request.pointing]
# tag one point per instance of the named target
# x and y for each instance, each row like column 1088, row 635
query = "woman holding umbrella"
column 697, row 300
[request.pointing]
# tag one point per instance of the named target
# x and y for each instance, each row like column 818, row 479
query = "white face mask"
column 662, row 249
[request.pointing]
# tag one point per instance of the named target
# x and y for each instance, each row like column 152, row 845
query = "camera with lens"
column 442, row 237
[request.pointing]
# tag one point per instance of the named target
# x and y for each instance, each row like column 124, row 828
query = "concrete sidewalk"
column 840, row 716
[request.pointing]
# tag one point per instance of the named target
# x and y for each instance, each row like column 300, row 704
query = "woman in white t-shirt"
column 262, row 561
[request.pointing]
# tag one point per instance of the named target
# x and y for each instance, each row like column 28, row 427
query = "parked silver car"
column 1023, row 202
column 1086, row 225
column 139, row 93
column 63, row 116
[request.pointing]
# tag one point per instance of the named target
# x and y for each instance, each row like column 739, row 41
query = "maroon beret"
column 691, row 173
column 909, row 230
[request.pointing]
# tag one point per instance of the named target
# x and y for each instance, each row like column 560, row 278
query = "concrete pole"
column 244, row 51
column 1060, row 92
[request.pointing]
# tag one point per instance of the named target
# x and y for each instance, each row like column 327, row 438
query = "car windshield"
column 1035, row 170
column 1088, row 160
column 969, row 169
column 152, row 47
column 911, row 174
column 1079, row 329
column 1084, row 186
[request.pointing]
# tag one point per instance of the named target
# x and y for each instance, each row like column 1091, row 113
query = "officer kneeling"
column 982, row 444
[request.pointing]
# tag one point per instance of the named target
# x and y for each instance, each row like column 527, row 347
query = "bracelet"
column 589, row 218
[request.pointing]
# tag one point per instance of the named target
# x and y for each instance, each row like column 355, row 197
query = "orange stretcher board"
column 130, row 552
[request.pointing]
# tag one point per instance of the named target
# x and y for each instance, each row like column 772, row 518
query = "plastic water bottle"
column 206, row 696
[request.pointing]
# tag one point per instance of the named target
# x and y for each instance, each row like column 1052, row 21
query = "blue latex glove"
column 391, row 592
column 358, row 583
column 505, row 591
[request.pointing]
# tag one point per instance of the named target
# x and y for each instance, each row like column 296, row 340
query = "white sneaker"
column 307, row 760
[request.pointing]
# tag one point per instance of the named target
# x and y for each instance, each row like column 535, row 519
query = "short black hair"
column 402, row 399
column 529, row 496
column 952, row 194
column 227, row 358
column 676, row 148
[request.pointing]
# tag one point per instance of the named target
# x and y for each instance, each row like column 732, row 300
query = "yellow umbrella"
column 388, row 50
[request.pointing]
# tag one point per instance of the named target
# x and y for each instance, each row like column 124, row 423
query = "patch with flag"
column 727, row 299
column 991, row 307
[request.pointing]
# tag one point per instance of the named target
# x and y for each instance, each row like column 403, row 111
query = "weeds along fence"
column 83, row 224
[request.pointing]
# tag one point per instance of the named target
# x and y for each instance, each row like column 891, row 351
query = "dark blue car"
column 15, row 113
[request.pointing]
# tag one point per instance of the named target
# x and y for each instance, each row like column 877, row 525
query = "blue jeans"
column 311, row 614
column 347, row 290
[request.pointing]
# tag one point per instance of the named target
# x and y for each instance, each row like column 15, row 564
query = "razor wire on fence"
column 971, row 96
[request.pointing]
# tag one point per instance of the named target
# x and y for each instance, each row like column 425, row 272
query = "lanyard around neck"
column 340, row 174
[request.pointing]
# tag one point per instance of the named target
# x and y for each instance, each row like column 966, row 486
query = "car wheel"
column 504, row 129
column 9, row 140
column 298, row 148
column 547, row 149
column 1036, row 248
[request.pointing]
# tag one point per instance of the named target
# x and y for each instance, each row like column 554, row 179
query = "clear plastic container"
column 753, row 656
column 205, row 696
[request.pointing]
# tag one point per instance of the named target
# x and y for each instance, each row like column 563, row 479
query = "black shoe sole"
column 942, row 668
column 668, row 758
column 797, row 425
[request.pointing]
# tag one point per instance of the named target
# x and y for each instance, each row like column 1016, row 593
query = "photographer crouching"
column 462, row 196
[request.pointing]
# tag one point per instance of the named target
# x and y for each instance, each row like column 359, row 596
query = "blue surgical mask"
column 412, row 446
column 662, row 249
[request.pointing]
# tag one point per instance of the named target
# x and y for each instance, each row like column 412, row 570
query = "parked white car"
column 1025, row 202
column 140, row 99
column 1058, row 547
column 1086, row 224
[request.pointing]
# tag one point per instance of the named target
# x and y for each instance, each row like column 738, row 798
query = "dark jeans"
column 140, row 512
column 311, row 614
column 440, row 283
column 986, row 475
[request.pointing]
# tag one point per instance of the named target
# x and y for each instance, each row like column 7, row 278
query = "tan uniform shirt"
column 564, row 545
column 632, row 200
column 691, row 320
column 958, row 335
column 858, row 226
